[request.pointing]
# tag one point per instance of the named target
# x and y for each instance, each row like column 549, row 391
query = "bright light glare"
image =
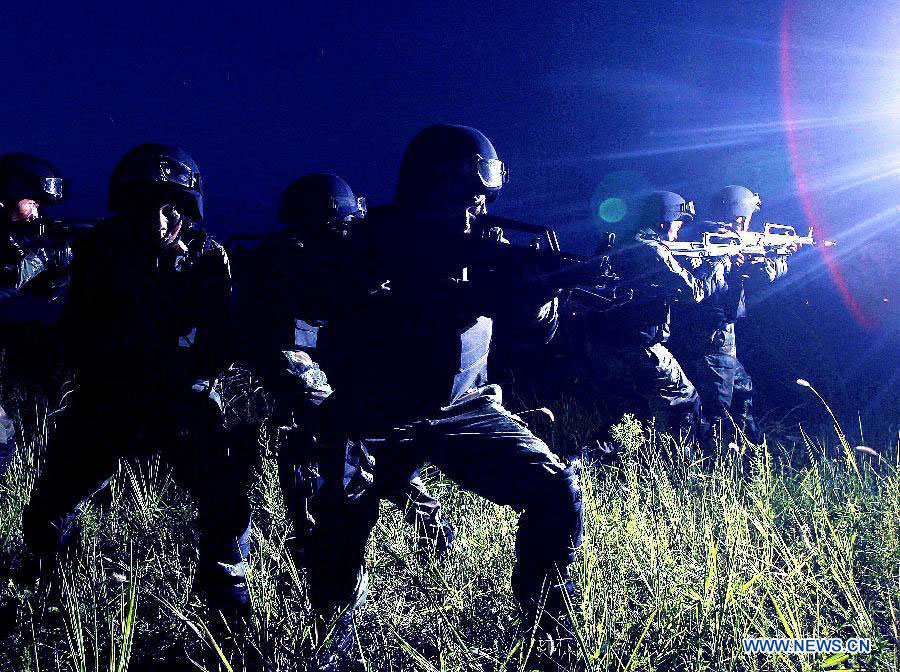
column 612, row 210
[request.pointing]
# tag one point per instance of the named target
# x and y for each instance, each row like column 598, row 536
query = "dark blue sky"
column 685, row 96
column 263, row 94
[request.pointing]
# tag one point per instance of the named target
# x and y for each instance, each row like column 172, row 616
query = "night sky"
column 798, row 100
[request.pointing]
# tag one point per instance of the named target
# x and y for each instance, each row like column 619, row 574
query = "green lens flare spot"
column 612, row 210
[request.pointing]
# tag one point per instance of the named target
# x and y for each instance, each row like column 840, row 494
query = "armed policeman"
column 147, row 323
column 285, row 287
column 725, row 387
column 628, row 348
column 28, row 266
column 408, row 356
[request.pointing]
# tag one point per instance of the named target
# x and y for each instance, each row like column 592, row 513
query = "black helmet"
column 25, row 176
column 665, row 206
column 152, row 171
column 452, row 163
column 732, row 202
column 319, row 202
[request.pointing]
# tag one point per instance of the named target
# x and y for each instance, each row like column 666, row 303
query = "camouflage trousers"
column 723, row 383
column 102, row 424
column 300, row 387
column 301, row 479
column 483, row 448
column 653, row 375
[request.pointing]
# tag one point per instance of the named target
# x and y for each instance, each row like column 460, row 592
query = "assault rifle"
column 711, row 245
column 64, row 229
column 532, row 257
column 53, row 240
column 774, row 240
column 55, row 235
column 777, row 239
column 588, row 280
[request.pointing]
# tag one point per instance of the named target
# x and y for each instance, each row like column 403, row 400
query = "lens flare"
column 811, row 184
column 617, row 198
column 612, row 210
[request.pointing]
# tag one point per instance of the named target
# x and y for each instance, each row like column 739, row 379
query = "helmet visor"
column 491, row 172
column 53, row 188
column 179, row 173
column 344, row 206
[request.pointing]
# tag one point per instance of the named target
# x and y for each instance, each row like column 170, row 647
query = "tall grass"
column 680, row 563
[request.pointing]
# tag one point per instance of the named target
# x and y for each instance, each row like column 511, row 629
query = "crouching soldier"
column 147, row 320
column 629, row 345
column 284, row 289
column 408, row 358
column 28, row 184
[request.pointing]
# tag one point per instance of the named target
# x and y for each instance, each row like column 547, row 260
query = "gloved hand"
column 56, row 257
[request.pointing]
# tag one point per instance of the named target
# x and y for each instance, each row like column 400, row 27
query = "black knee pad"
column 570, row 484
column 565, row 486
column 572, row 503
column 552, row 526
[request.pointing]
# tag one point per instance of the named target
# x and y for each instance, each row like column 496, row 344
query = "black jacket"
column 414, row 333
column 143, row 316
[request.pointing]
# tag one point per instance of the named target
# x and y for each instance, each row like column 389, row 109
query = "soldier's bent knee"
column 563, row 502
